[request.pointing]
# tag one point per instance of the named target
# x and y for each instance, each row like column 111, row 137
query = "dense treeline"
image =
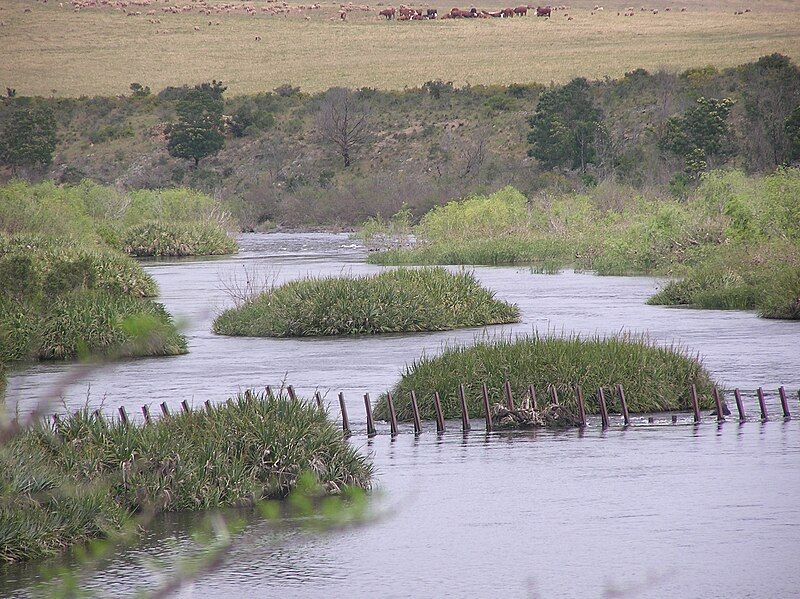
column 285, row 157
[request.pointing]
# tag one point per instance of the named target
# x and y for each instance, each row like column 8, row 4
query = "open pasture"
column 53, row 48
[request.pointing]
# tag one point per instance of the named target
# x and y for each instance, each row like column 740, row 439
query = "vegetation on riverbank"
column 395, row 301
column 736, row 240
column 92, row 476
column 655, row 378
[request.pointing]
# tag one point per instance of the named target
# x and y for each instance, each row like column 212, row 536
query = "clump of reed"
column 157, row 238
column 654, row 378
column 395, row 301
column 89, row 476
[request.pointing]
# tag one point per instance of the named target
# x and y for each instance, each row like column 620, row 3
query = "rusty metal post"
column 185, row 406
column 415, row 413
column 123, row 415
column 509, row 396
column 290, row 391
column 146, row 414
column 625, row 415
column 318, row 397
column 370, row 422
column 487, row 410
column 392, row 413
column 465, row 426
column 581, row 406
column 603, row 408
column 762, row 404
column 718, row 404
column 345, row 420
column 165, row 409
column 695, row 403
column 739, row 405
column 437, row 404
column 784, row 402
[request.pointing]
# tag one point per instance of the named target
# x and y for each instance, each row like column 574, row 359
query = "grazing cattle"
column 432, row 13
column 496, row 14
column 388, row 13
column 507, row 13
column 521, row 11
column 543, row 11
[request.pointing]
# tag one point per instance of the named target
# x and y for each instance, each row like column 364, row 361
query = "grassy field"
column 55, row 50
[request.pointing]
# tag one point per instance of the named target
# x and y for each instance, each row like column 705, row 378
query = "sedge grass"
column 395, row 301
column 157, row 238
column 88, row 479
column 654, row 378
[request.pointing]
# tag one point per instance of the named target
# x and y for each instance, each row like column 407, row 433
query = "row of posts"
column 509, row 400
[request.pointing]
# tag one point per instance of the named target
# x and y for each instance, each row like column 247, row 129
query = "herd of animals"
column 404, row 13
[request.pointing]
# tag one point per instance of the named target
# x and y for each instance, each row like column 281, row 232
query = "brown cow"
column 543, row 11
column 507, row 13
column 521, row 11
column 389, row 13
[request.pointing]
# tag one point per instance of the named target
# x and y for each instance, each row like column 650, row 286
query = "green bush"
column 87, row 480
column 158, row 238
column 654, row 378
column 428, row 299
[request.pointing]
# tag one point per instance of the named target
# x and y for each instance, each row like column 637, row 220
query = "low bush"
column 654, row 378
column 88, row 479
column 156, row 238
column 395, row 301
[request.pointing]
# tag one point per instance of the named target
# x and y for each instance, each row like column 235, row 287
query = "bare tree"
column 343, row 121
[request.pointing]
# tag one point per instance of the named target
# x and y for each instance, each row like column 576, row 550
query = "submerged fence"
column 721, row 411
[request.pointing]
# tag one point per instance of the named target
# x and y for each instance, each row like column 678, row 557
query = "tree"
column 793, row 134
column 27, row 135
column 343, row 122
column 565, row 126
column 198, row 132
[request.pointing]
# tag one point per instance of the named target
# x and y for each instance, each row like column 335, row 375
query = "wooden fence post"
column 532, row 393
column 625, row 416
column 695, row 403
column 209, row 407
column 392, row 413
column 437, row 404
column 784, row 402
column 739, row 405
column 98, row 415
column 290, row 391
column 318, row 397
column 146, row 414
column 554, row 394
column 762, row 404
column 123, row 415
column 345, row 420
column 185, row 406
column 465, row 426
column 581, row 406
column 603, row 408
column 718, row 404
column 509, row 396
column 165, row 409
column 415, row 413
column 370, row 422
column 487, row 409
column 269, row 392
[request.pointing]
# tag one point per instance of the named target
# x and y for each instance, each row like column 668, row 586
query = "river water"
column 649, row 511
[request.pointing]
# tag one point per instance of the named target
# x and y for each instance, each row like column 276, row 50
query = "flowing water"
column 661, row 510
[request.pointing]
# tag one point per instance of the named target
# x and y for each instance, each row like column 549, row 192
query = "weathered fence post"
column 392, row 413
column 603, row 408
column 509, row 396
column 437, row 404
column 185, row 406
column 290, row 391
column 209, row 407
column 345, row 420
column 718, row 404
column 146, row 414
column 762, row 404
column 98, row 415
column 739, row 405
column 123, row 415
column 625, row 416
column 581, row 406
column 165, row 409
column 318, row 397
column 415, row 413
column 487, row 409
column 784, row 402
column 370, row 422
column 465, row 426
column 695, row 403
column 269, row 392
column 554, row 394
column 532, row 393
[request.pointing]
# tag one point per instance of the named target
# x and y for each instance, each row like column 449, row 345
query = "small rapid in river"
column 649, row 511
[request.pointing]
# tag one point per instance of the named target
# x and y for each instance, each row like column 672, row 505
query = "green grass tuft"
column 654, row 378
column 156, row 238
column 395, row 301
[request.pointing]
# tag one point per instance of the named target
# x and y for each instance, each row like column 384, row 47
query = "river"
column 648, row 511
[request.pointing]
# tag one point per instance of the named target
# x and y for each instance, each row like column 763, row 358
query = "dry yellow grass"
column 53, row 50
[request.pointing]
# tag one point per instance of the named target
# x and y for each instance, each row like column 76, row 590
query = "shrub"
column 428, row 299
column 157, row 238
column 655, row 378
